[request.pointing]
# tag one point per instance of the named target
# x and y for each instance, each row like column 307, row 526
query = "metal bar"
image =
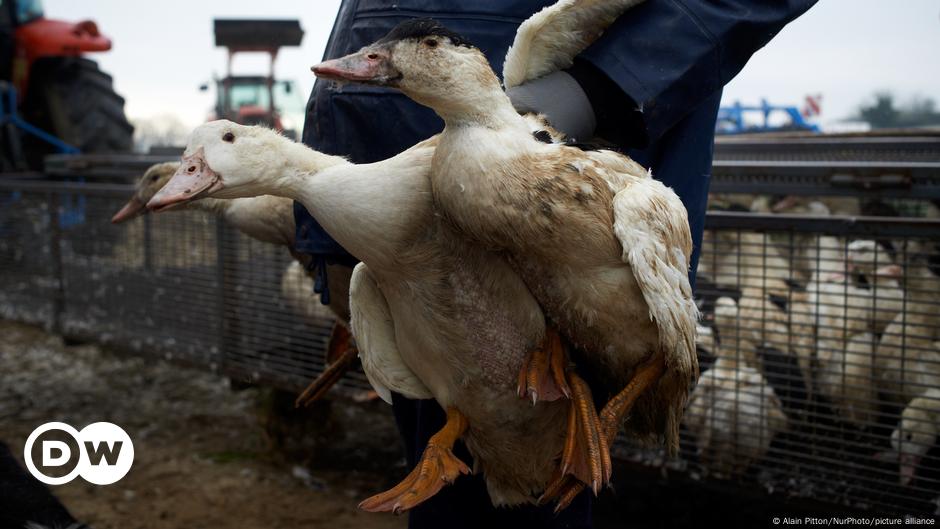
column 832, row 225
column 148, row 243
column 55, row 248
column 822, row 147
column 828, row 178
column 45, row 186
column 221, row 314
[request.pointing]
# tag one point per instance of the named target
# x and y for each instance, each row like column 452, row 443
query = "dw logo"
column 102, row 453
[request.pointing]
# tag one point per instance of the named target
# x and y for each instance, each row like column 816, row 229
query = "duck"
column 435, row 315
column 603, row 246
column 749, row 259
column 882, row 278
column 268, row 219
column 841, row 305
column 844, row 376
column 916, row 433
column 733, row 412
column 907, row 358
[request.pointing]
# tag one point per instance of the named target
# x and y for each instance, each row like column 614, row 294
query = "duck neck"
column 366, row 208
column 483, row 104
column 216, row 206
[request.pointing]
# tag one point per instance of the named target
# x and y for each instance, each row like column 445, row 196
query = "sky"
column 845, row 50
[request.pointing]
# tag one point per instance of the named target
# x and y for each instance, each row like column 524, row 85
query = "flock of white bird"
column 858, row 317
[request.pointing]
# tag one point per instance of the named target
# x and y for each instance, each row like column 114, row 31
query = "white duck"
column 845, row 376
column 603, row 246
column 268, row 219
column 265, row 218
column 434, row 315
column 916, row 433
column 733, row 411
column 907, row 359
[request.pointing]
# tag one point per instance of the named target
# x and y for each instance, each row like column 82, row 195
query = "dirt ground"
column 205, row 455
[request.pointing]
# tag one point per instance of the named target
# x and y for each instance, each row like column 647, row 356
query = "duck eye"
column 229, row 137
column 909, row 436
column 154, row 178
column 430, row 43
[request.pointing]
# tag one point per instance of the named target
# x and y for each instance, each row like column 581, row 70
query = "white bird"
column 733, row 411
column 916, row 433
column 434, row 314
column 907, row 360
column 602, row 245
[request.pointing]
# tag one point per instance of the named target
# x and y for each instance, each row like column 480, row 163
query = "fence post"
column 148, row 244
column 55, row 249
column 227, row 269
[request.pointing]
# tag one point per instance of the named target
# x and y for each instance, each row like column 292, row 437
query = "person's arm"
column 655, row 65
column 667, row 56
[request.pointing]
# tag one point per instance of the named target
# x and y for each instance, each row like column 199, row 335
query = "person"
column 650, row 85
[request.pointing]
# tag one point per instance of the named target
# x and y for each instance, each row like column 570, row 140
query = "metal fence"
column 821, row 366
column 183, row 286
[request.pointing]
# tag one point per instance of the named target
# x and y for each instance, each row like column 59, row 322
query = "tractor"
column 258, row 99
column 53, row 98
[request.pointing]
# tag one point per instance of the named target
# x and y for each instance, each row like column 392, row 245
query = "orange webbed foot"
column 566, row 486
column 438, row 467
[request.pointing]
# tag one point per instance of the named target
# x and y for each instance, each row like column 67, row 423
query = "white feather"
column 374, row 329
column 549, row 40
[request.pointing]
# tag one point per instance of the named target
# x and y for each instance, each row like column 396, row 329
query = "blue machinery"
column 731, row 119
column 72, row 207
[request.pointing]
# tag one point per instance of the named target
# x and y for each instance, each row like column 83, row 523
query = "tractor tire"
column 75, row 101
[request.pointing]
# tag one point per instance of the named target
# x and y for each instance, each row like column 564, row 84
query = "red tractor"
column 56, row 89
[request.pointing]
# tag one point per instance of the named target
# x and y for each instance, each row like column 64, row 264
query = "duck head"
column 153, row 179
column 916, row 434
column 224, row 160
column 865, row 256
column 428, row 62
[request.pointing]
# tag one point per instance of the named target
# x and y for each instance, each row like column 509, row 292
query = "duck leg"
column 340, row 341
column 566, row 487
column 340, row 355
column 586, row 454
column 438, row 467
column 543, row 375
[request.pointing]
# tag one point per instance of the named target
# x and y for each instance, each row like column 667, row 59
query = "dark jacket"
column 654, row 79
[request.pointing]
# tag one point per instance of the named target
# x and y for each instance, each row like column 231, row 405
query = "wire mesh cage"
column 182, row 286
column 819, row 357
column 819, row 352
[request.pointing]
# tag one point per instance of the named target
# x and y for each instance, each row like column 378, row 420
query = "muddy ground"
column 205, row 455
column 208, row 455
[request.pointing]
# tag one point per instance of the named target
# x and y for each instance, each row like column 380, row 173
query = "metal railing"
column 182, row 286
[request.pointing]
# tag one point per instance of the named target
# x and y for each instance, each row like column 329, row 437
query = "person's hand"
column 563, row 102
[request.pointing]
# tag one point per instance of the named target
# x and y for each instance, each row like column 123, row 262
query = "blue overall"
column 667, row 61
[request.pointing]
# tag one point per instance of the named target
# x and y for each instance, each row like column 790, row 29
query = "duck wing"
column 549, row 40
column 374, row 329
column 653, row 229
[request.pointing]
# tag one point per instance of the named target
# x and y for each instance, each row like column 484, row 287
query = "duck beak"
column 785, row 203
column 368, row 66
column 134, row 208
column 193, row 179
column 908, row 467
column 893, row 271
